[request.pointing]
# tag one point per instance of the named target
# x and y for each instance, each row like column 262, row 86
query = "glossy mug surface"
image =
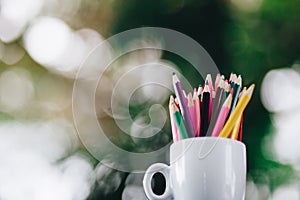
column 203, row 168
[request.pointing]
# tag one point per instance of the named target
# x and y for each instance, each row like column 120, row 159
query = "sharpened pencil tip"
column 190, row 99
column 228, row 101
column 206, row 88
column 175, row 78
column 249, row 91
column 172, row 98
column 239, row 80
column 208, row 77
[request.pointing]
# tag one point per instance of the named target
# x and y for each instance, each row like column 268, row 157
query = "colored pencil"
column 230, row 77
column 222, row 116
column 218, row 78
column 233, row 81
column 184, row 94
column 183, row 107
column 236, row 128
column 218, row 97
column 179, row 122
column 241, row 105
column 175, row 132
column 217, row 104
column 199, row 92
column 191, row 108
column 213, row 109
column 237, row 89
column 204, row 110
column 197, row 112
column 227, row 88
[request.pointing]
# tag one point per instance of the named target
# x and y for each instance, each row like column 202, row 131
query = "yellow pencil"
column 235, row 133
column 240, row 107
column 236, row 128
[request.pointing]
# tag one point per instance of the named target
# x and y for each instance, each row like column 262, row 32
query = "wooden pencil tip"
column 250, row 90
column 195, row 95
column 172, row 98
column 221, row 83
column 174, row 108
column 228, row 100
column 171, row 101
column 190, row 99
column 208, row 78
column 176, row 101
column 239, row 80
column 227, row 86
column 175, row 78
column 234, row 77
column 252, row 86
column 199, row 91
column 206, row 88
column 230, row 77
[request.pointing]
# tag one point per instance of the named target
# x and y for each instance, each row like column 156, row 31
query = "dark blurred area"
column 43, row 43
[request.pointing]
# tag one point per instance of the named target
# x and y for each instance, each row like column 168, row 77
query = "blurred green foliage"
column 247, row 42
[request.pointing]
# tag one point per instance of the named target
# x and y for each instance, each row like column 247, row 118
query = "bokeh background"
column 43, row 43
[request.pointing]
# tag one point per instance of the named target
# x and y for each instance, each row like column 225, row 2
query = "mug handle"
column 155, row 168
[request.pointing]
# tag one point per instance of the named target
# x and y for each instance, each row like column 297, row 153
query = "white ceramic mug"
column 203, row 168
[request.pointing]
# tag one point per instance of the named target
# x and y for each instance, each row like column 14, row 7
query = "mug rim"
column 187, row 143
column 208, row 138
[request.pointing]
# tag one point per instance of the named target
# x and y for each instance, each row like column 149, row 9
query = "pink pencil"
column 197, row 111
column 191, row 108
column 222, row 116
column 175, row 132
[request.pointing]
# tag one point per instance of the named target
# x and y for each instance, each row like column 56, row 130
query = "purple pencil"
column 183, row 107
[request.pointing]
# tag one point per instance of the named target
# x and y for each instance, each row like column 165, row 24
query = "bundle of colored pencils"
column 214, row 109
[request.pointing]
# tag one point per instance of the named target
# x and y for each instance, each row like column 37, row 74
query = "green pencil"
column 179, row 122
